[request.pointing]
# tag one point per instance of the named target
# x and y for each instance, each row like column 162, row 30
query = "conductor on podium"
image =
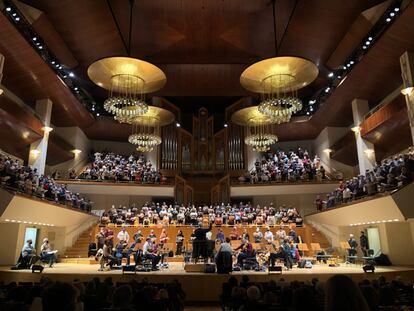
column 200, row 242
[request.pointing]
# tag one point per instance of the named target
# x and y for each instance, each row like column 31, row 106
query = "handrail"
column 362, row 199
column 109, row 182
column 15, row 191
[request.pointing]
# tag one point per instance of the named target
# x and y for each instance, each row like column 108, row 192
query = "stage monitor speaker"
column 37, row 269
column 128, row 269
column 276, row 269
column 368, row 268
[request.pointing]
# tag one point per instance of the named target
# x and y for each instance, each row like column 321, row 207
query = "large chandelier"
column 127, row 80
column 146, row 129
column 278, row 80
column 125, row 97
column 260, row 130
column 260, row 138
column 145, row 136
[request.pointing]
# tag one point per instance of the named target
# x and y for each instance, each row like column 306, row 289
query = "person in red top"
column 109, row 236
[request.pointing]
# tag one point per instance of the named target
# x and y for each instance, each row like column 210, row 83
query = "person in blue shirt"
column 220, row 236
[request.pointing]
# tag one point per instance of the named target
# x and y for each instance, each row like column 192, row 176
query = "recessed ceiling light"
column 331, row 74
column 98, row 114
column 7, row 219
column 396, row 9
column 388, row 20
column 17, row 19
column 8, row 9
column 177, row 124
column 71, row 74
column 392, row 14
column 370, row 38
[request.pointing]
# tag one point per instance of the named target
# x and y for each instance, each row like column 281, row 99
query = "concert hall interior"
column 206, row 154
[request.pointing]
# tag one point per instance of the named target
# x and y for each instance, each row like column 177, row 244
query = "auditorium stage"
column 200, row 286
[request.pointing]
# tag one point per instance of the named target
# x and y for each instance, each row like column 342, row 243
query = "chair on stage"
column 370, row 259
column 319, row 253
column 350, row 254
column 250, row 263
column 303, row 247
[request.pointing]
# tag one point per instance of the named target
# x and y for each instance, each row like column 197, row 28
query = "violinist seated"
column 150, row 253
column 246, row 251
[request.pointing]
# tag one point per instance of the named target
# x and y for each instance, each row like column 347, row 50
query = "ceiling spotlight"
column 35, row 152
column 60, row 67
column 8, row 9
column 71, row 74
column 76, row 88
column 367, row 42
column 396, row 9
column 47, row 129
column 177, row 124
column 364, row 47
column 40, row 47
column 370, row 38
column 76, row 151
column 53, row 62
column 348, row 65
column 1, row 91
column 307, row 113
column 34, row 38
column 344, row 67
column 407, row 91
column 331, row 74
column 93, row 108
column 17, row 19
column 339, row 77
column 392, row 14
column 351, row 62
column 311, row 108
column 225, row 125
column 355, row 129
column 327, row 89
column 388, row 20
column 327, row 150
column 14, row 14
column 98, row 114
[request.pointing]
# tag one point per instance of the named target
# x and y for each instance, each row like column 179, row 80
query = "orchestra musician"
column 150, row 253
column 234, row 234
column 246, row 251
column 100, row 238
column 179, row 240
column 104, row 255
column 277, row 254
column 109, row 236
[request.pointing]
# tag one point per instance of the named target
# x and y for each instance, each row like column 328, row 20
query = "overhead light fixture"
column 331, row 74
column 76, row 151
column 327, row 150
column 369, row 152
column 177, row 124
column 278, row 80
column 47, row 129
column 71, row 74
column 407, row 91
column 356, row 129
column 1, row 91
column 35, row 152
column 146, row 129
column 127, row 79
column 260, row 129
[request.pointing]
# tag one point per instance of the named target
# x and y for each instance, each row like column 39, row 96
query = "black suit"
column 200, row 242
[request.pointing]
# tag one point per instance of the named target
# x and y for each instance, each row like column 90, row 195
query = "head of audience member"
column 60, row 296
column 122, row 296
column 343, row 294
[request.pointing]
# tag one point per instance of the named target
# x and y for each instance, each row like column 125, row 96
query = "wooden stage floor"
column 200, row 286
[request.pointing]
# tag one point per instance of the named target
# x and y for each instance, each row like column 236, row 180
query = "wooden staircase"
column 80, row 248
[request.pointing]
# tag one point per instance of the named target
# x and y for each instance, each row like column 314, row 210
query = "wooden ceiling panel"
column 377, row 75
column 28, row 76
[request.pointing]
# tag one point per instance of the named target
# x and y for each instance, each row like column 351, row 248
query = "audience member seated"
column 92, row 295
column 152, row 213
column 27, row 180
column 389, row 175
column 280, row 166
column 113, row 167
